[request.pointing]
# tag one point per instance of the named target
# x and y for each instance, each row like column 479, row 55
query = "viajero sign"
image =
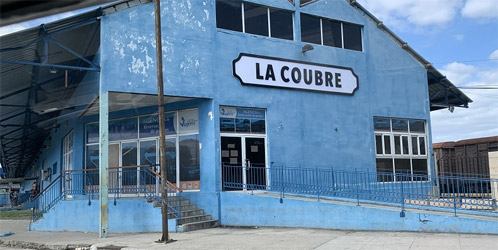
column 276, row 72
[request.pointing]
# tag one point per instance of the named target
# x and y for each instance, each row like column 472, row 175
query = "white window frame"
column 404, row 155
column 67, row 151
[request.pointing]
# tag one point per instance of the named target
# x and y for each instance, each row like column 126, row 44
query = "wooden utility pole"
column 162, row 136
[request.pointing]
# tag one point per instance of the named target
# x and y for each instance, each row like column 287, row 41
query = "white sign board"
column 276, row 72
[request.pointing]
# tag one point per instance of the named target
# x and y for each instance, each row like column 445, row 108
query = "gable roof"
column 442, row 92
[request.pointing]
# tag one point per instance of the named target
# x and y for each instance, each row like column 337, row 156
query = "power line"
column 479, row 87
column 480, row 60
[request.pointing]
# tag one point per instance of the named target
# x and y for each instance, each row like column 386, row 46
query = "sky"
column 459, row 37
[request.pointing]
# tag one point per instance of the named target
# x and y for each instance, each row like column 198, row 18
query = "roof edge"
column 426, row 64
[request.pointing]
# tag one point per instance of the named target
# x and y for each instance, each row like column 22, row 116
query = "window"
column 330, row 33
column 281, row 24
column 352, row 36
column 135, row 141
column 67, row 158
column 242, row 120
column 254, row 19
column 229, row 15
column 400, row 146
column 310, row 29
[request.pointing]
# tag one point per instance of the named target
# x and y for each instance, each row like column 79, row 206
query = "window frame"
column 321, row 19
column 268, row 15
column 67, row 151
column 408, row 155
column 139, row 139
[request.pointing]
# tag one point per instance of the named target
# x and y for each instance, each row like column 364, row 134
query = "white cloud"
column 459, row 73
column 480, row 119
column 480, row 9
column 421, row 13
column 494, row 55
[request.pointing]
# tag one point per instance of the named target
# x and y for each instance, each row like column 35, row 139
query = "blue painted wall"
column 128, row 216
column 135, row 215
column 257, row 210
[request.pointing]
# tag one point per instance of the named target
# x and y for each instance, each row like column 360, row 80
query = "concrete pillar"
column 103, row 161
column 493, row 173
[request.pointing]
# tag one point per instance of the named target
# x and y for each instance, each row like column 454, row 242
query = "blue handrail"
column 403, row 189
column 136, row 180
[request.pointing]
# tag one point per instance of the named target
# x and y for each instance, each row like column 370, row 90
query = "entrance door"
column 244, row 163
column 255, row 162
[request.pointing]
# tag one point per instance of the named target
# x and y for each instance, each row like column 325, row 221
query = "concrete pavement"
column 245, row 238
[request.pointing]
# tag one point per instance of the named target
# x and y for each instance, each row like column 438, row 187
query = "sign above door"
column 282, row 73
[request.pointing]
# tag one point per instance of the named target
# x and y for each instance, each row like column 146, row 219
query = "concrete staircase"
column 192, row 218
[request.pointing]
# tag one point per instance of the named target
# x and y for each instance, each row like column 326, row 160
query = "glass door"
column 243, row 162
column 255, row 162
column 231, row 160
column 148, row 159
column 129, row 171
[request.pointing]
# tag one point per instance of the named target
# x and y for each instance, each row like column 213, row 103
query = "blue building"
column 258, row 94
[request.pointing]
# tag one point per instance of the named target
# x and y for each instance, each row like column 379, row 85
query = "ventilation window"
column 229, row 15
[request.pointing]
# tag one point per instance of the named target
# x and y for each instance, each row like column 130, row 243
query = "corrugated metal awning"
column 40, row 68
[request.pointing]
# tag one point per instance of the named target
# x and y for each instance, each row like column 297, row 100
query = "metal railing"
column 457, row 193
column 130, row 181
column 47, row 198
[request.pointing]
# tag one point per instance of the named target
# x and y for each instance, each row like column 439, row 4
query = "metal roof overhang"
column 40, row 68
column 15, row 11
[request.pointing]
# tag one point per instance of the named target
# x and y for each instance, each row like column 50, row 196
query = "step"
column 197, row 225
column 183, row 207
column 195, row 218
column 187, row 213
column 169, row 201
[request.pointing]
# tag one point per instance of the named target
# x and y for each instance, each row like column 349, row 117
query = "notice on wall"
column 225, row 153
column 254, row 149
column 234, row 153
column 283, row 73
column 231, row 146
column 233, row 161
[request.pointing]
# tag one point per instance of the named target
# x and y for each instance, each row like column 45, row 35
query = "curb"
column 39, row 246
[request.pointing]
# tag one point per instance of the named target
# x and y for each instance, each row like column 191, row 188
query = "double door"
column 244, row 164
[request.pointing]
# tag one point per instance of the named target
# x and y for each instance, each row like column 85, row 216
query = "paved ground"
column 246, row 238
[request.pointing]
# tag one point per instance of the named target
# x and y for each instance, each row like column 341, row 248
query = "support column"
column 493, row 174
column 103, row 161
